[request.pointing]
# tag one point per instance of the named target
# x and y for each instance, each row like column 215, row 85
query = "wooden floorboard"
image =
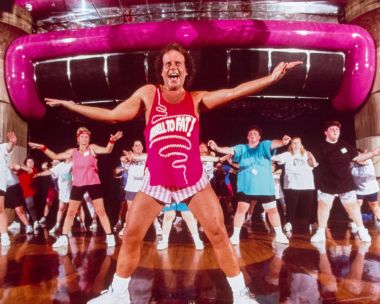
column 32, row 272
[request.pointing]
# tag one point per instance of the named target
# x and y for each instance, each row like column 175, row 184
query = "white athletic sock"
column 165, row 238
column 120, row 285
column 277, row 230
column 321, row 229
column 195, row 237
column 236, row 231
column 4, row 236
column 236, row 283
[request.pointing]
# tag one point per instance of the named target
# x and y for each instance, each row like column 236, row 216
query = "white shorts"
column 345, row 198
column 168, row 195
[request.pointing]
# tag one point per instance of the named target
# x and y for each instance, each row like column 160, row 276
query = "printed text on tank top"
column 171, row 133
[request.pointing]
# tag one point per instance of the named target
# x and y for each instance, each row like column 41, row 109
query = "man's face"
column 253, row 137
column 137, row 147
column 332, row 133
column 173, row 70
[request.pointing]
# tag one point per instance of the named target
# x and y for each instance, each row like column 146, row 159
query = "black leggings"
column 294, row 198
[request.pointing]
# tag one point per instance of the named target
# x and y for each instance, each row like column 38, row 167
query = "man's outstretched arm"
column 217, row 98
column 125, row 111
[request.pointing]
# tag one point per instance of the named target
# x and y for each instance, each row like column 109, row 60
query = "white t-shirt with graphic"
column 365, row 178
column 62, row 171
column 298, row 173
column 136, row 172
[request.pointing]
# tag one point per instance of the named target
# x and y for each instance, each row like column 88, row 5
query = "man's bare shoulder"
column 198, row 95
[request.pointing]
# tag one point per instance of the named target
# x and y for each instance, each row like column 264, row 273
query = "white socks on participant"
column 120, row 285
column 236, row 283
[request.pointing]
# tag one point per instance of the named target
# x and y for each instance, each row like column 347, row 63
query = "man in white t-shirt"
column 5, row 150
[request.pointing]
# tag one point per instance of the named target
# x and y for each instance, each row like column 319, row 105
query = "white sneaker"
column 199, row 245
column 110, row 240
column 162, row 245
column 94, row 226
column 62, row 241
column 244, row 297
column 29, row 229
column 364, row 235
column 54, row 229
column 353, row 227
column 288, row 227
column 319, row 236
column 281, row 238
column 36, row 225
column 110, row 297
column 42, row 221
column 235, row 239
column 5, row 241
column 14, row 226
column 121, row 232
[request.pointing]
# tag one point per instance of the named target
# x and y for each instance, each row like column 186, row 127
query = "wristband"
column 43, row 148
column 111, row 141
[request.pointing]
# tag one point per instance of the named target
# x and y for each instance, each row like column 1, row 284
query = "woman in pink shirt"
column 85, row 179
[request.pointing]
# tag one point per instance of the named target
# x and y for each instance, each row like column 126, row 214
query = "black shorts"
column 2, row 193
column 95, row 192
column 368, row 197
column 14, row 197
column 263, row 199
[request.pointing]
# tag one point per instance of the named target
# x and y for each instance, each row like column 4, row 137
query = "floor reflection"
column 343, row 270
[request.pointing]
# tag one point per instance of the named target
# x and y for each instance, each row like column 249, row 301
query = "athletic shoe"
column 319, row 236
column 14, row 225
column 288, row 227
column 121, row 232
column 5, row 241
column 110, row 297
column 94, row 226
column 29, row 229
column 62, row 241
column 118, row 226
column 244, row 297
column 110, row 240
column 353, row 227
column 54, row 229
column 42, row 221
column 162, row 245
column 199, row 245
column 281, row 238
column 364, row 235
column 235, row 239
column 36, row 225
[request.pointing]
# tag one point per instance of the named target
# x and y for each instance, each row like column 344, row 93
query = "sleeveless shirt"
column 172, row 142
column 84, row 169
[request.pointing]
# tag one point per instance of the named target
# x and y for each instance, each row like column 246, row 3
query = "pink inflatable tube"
column 354, row 41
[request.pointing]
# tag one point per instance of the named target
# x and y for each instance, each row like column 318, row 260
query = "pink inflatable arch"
column 354, row 41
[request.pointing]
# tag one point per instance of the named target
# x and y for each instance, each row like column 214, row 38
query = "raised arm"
column 364, row 156
column 278, row 143
column 135, row 158
column 125, row 111
column 224, row 150
column 107, row 149
column 49, row 153
column 217, row 98
column 12, row 139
